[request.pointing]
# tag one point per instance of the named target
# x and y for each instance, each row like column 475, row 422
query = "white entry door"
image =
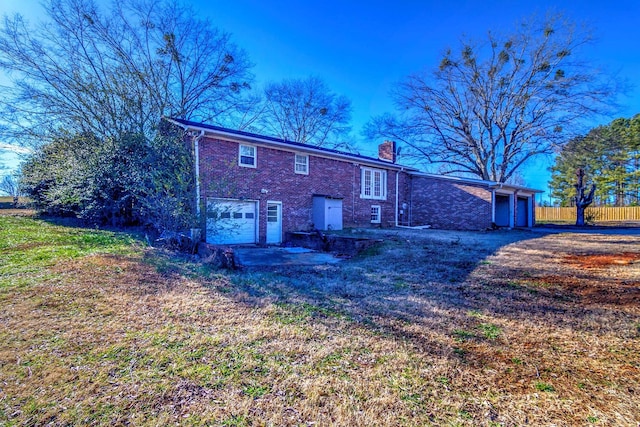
column 231, row 221
column 274, row 222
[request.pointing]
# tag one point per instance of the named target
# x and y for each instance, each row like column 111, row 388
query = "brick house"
column 253, row 188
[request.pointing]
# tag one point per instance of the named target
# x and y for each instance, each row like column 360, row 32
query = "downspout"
column 396, row 216
column 197, row 171
column 397, row 176
column 353, row 194
column 410, row 218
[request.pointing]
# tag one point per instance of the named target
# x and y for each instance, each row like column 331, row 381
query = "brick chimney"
column 387, row 151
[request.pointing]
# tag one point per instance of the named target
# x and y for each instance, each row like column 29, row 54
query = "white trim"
column 379, row 220
column 372, row 183
column 255, row 156
column 295, row 163
column 279, row 204
column 490, row 184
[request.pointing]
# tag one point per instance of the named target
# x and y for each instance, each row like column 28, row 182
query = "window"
column 272, row 213
column 373, row 184
column 376, row 214
column 247, row 156
column 302, row 164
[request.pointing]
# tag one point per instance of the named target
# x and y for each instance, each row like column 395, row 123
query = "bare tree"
column 491, row 106
column 10, row 185
column 305, row 110
column 117, row 71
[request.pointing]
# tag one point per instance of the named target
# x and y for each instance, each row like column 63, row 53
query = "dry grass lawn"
column 431, row 328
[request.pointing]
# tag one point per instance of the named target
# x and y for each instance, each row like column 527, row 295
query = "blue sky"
column 361, row 49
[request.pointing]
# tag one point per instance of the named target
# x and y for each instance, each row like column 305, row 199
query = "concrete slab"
column 275, row 256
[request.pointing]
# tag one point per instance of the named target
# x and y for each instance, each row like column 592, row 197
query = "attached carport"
column 513, row 205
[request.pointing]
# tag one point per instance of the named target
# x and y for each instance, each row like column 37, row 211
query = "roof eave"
column 257, row 139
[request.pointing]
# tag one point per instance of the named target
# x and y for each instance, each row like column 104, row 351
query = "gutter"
column 396, row 219
column 293, row 148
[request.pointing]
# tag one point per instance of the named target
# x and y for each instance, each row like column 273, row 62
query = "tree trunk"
column 580, row 215
column 582, row 200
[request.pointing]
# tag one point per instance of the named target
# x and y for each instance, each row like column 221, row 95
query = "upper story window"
column 302, row 164
column 248, row 156
column 373, row 184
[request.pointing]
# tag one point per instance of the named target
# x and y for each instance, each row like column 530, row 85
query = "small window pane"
column 247, row 155
column 272, row 213
column 301, row 164
column 225, row 215
column 237, row 215
column 249, row 215
column 375, row 214
column 246, row 150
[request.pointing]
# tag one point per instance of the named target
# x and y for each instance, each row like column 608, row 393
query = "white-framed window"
column 247, row 156
column 376, row 214
column 302, row 164
column 373, row 184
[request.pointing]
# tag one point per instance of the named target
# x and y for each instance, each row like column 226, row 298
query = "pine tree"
column 609, row 156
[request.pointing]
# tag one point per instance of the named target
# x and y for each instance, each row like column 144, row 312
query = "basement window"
column 376, row 214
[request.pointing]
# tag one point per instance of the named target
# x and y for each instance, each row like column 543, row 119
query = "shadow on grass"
column 441, row 281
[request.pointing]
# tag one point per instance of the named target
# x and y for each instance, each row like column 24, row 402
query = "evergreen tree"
column 610, row 156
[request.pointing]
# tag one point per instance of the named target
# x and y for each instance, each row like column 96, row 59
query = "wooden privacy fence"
column 630, row 213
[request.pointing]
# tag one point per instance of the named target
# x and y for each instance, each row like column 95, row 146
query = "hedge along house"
column 252, row 189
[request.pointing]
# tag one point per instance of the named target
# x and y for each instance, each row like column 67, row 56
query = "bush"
column 127, row 180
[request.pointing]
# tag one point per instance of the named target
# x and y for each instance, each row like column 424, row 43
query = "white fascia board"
column 456, row 178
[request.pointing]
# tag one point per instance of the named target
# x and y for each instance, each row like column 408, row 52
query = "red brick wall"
column 448, row 204
column 220, row 176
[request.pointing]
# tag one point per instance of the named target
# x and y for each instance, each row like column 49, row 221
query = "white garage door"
column 231, row 222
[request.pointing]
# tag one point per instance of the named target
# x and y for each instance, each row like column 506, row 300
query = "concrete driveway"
column 277, row 256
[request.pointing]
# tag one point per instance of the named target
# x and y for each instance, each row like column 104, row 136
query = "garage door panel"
column 231, row 222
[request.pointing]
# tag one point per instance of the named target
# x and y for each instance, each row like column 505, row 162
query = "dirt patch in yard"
column 603, row 260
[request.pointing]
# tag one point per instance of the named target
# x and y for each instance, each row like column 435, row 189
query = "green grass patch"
column 256, row 391
column 462, row 335
column 30, row 245
column 287, row 313
column 490, row 331
column 545, row 387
